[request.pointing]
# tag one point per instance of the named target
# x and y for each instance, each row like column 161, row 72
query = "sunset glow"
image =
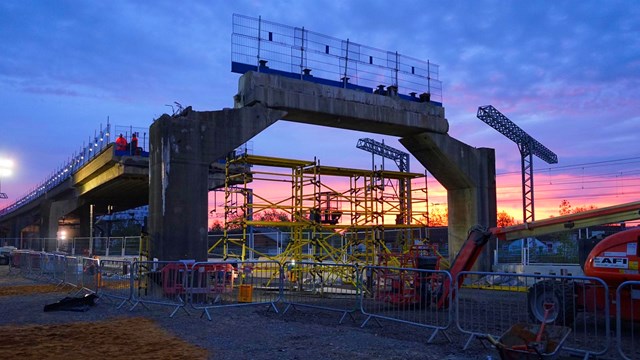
column 566, row 73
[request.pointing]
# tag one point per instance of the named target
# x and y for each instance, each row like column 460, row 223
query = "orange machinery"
column 614, row 259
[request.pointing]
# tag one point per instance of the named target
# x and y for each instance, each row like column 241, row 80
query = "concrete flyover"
column 110, row 182
column 183, row 146
column 118, row 181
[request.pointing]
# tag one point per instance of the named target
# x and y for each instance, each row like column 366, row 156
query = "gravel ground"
column 255, row 332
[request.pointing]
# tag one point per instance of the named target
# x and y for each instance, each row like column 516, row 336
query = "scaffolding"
column 325, row 223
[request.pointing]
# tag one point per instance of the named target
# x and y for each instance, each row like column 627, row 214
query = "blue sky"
column 567, row 72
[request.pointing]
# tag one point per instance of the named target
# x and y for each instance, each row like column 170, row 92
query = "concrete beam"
column 468, row 174
column 324, row 105
column 109, row 174
column 181, row 149
column 104, row 160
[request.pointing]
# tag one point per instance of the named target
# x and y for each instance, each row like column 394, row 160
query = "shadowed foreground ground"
column 118, row 338
column 255, row 332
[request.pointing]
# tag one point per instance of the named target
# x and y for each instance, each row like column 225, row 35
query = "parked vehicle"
column 5, row 254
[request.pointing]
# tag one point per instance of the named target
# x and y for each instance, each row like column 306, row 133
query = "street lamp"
column 6, row 169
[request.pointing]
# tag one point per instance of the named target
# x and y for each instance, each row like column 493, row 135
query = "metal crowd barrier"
column 219, row 284
column 406, row 295
column 576, row 307
column 90, row 275
column 628, row 320
column 19, row 262
column 55, row 265
column 73, row 271
column 47, row 266
column 580, row 307
column 116, row 280
column 332, row 287
column 34, row 265
column 160, row 283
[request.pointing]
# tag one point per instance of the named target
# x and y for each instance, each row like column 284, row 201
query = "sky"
column 567, row 72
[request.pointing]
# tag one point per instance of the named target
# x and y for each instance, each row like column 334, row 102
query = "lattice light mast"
column 402, row 160
column 528, row 147
column 379, row 148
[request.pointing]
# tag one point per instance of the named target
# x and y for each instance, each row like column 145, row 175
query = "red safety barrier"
column 177, row 278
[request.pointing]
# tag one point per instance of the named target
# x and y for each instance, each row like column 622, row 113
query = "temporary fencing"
column 219, row 284
column 116, row 281
column 577, row 310
column 492, row 303
column 160, row 283
column 54, row 268
column 90, row 275
column 19, row 262
column 47, row 266
column 628, row 320
column 332, row 287
column 406, row 295
column 83, row 246
column 100, row 246
column 73, row 271
column 34, row 264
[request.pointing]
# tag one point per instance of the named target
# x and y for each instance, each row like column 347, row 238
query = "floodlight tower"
column 528, row 147
column 404, row 185
column 379, row 148
column 402, row 160
column 6, row 169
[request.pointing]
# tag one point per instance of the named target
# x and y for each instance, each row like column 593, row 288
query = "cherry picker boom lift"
column 598, row 263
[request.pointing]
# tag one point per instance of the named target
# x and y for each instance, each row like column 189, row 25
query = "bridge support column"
column 468, row 174
column 181, row 149
column 10, row 231
column 23, row 223
column 52, row 212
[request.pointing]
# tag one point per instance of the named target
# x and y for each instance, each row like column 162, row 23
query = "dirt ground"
column 236, row 333
column 78, row 340
column 30, row 289
column 247, row 332
column 255, row 331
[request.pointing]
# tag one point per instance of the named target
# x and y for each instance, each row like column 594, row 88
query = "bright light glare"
column 6, row 167
column 63, row 235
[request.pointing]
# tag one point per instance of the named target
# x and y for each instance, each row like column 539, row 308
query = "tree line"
column 434, row 218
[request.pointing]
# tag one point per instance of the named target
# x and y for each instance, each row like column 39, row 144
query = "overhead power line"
column 627, row 161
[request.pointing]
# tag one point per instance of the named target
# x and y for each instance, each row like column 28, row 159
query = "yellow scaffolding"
column 326, row 224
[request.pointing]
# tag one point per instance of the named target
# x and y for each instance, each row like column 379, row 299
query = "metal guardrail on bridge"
column 96, row 144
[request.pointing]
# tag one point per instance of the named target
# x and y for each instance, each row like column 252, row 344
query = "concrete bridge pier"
column 11, row 229
column 181, row 149
column 51, row 213
column 468, row 174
